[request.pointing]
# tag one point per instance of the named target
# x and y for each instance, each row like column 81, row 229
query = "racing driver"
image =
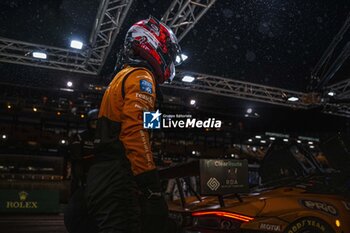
column 123, row 188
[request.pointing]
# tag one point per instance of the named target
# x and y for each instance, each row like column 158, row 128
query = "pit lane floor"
column 32, row 223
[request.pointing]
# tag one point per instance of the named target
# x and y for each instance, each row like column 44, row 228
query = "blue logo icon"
column 151, row 120
column 146, row 86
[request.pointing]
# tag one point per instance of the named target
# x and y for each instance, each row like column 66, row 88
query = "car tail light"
column 230, row 215
column 219, row 220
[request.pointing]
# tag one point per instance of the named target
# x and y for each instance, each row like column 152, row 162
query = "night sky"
column 271, row 42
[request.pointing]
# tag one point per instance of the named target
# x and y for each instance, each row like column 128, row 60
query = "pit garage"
column 252, row 134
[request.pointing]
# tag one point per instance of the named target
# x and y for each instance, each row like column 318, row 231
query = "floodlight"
column 40, row 55
column 293, row 99
column 188, row 79
column 75, row 44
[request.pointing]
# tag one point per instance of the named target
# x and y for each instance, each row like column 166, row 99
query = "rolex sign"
column 29, row 201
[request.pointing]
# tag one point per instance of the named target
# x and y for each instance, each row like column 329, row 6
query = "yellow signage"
column 22, row 203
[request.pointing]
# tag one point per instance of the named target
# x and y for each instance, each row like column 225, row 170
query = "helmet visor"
column 174, row 47
column 172, row 72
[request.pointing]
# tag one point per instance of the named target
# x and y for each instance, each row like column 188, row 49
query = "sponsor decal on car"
column 302, row 224
column 320, row 206
column 270, row 227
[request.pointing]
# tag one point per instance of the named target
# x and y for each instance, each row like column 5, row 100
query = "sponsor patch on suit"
column 146, row 86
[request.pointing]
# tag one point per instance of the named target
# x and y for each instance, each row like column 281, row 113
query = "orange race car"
column 307, row 197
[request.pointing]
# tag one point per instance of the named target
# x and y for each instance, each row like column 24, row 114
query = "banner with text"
column 29, row 201
column 219, row 177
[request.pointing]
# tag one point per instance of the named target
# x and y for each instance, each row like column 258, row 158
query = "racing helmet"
column 93, row 114
column 92, row 117
column 154, row 42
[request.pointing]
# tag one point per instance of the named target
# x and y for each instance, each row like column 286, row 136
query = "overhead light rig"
column 24, row 53
column 89, row 60
column 239, row 89
column 182, row 15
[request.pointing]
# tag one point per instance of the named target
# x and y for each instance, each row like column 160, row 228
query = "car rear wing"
column 187, row 169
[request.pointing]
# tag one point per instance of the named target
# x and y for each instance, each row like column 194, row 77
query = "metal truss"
column 339, row 104
column 18, row 52
column 182, row 15
column 335, row 66
column 340, row 89
column 110, row 17
column 337, row 109
column 272, row 95
column 322, row 72
column 243, row 90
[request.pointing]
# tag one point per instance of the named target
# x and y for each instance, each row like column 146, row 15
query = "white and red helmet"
column 153, row 41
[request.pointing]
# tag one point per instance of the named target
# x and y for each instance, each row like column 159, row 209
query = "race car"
column 303, row 199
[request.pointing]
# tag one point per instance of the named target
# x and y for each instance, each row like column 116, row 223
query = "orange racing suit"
column 130, row 93
column 124, row 192
column 114, row 182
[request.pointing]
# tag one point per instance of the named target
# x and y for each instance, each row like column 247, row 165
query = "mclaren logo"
column 22, row 203
column 213, row 184
column 321, row 206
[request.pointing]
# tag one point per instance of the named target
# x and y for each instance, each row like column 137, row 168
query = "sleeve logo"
column 146, row 86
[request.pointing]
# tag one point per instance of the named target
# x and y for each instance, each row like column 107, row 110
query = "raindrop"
column 250, row 56
column 319, row 19
column 264, row 28
column 269, row 58
column 228, row 13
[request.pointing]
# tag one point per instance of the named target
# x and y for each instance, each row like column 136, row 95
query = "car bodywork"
column 307, row 200
column 272, row 210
